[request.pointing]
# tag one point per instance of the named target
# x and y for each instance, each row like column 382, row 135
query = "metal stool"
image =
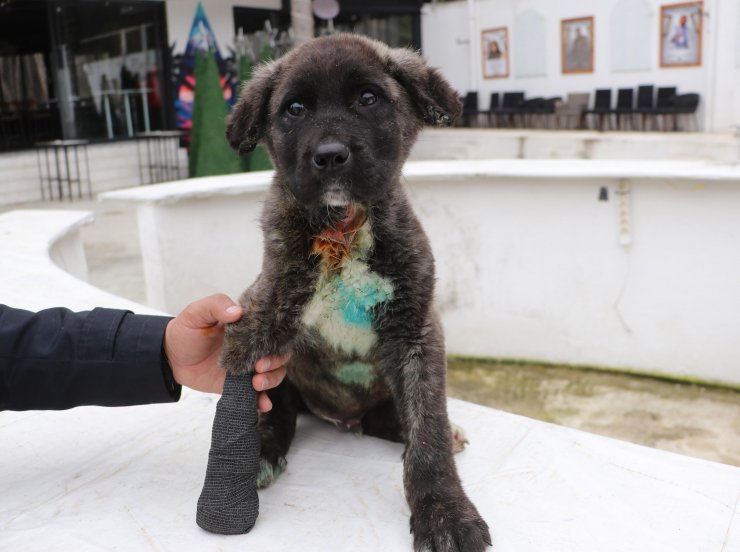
column 159, row 159
column 61, row 159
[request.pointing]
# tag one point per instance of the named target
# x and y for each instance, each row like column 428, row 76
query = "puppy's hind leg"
column 277, row 429
column 459, row 439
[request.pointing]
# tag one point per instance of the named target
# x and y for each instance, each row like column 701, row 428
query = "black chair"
column 682, row 104
column 531, row 109
column 602, row 107
column 645, row 103
column 625, row 107
column 511, row 108
column 470, row 108
column 493, row 106
column 548, row 110
column 665, row 96
column 539, row 112
column 663, row 104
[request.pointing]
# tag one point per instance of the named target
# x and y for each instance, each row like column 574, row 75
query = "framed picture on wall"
column 680, row 34
column 577, row 45
column 495, row 53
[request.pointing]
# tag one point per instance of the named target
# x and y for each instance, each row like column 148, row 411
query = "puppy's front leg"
column 228, row 503
column 443, row 519
column 263, row 330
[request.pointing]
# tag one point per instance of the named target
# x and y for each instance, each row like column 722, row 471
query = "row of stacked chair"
column 510, row 109
column 649, row 111
column 644, row 111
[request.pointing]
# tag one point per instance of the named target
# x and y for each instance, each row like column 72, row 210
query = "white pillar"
column 301, row 18
column 709, row 24
column 722, row 66
column 473, row 47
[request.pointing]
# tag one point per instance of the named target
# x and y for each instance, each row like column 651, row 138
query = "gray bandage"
column 228, row 504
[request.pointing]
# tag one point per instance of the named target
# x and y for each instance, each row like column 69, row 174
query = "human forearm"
column 58, row 359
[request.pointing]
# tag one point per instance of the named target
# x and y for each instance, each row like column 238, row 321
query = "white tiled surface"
column 129, row 478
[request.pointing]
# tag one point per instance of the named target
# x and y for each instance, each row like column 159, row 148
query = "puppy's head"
column 339, row 116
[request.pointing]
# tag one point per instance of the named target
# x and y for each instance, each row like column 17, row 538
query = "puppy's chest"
column 349, row 295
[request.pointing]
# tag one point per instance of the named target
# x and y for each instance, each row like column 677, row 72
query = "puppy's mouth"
column 340, row 208
column 335, row 197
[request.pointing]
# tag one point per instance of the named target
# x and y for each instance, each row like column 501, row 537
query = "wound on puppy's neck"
column 334, row 244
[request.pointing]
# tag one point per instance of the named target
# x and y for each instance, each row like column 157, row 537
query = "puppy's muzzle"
column 331, row 156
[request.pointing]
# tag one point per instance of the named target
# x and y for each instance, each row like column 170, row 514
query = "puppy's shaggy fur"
column 348, row 275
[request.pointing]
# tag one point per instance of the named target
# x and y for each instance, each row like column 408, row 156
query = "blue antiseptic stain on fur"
column 357, row 302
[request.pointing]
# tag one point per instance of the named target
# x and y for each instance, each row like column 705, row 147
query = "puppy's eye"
column 367, row 97
column 295, row 109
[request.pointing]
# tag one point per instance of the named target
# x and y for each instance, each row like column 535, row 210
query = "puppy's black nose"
column 331, row 155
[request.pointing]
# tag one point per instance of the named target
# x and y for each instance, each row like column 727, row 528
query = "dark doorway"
column 82, row 69
column 27, row 110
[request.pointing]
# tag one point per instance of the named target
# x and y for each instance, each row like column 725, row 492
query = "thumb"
column 209, row 311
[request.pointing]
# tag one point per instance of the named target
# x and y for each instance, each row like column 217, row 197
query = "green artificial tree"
column 258, row 160
column 210, row 153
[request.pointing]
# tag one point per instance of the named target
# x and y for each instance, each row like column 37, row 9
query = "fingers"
column 271, row 363
column 264, row 404
column 209, row 311
column 270, row 373
column 268, row 380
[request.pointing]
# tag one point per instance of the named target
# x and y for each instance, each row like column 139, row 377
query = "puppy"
column 348, row 276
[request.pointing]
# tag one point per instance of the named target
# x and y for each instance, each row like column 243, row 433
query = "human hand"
column 193, row 341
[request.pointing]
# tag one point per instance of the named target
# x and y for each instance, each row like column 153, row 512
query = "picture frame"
column 577, row 45
column 495, row 53
column 681, row 34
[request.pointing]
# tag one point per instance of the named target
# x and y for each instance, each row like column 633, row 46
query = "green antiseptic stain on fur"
column 356, row 373
column 345, row 303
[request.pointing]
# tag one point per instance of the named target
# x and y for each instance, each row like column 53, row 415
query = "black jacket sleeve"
column 57, row 359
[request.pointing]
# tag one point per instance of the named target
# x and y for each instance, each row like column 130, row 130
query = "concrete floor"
column 689, row 419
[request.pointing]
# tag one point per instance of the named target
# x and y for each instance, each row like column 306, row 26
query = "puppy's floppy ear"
column 437, row 102
column 245, row 125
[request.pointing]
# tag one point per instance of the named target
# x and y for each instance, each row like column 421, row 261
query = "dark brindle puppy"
column 348, row 274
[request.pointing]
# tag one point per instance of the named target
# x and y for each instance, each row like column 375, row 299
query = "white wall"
column 112, row 165
column 220, row 15
column 444, row 37
column 168, row 286
column 717, row 79
column 481, row 143
column 531, row 263
column 541, row 273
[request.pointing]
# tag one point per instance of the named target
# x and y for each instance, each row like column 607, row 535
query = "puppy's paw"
column 449, row 525
column 459, row 439
column 270, row 471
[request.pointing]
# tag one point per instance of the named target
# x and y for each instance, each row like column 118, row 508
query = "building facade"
column 106, row 70
column 693, row 46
